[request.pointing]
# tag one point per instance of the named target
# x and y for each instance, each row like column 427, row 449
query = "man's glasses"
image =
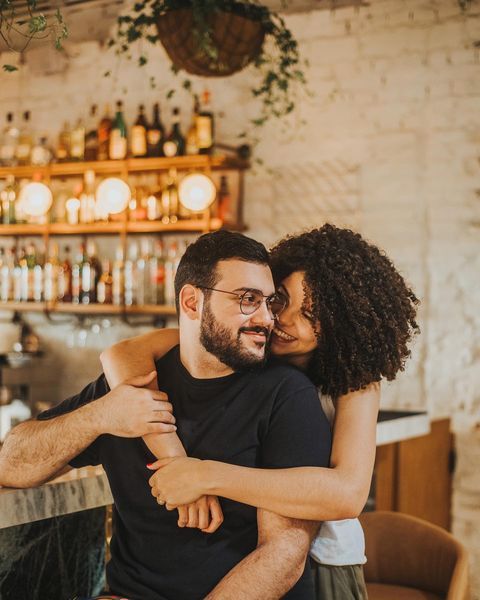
column 251, row 300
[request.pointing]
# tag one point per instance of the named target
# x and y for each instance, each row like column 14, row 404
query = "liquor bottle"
column 51, row 275
column 77, row 276
column 26, row 261
column 170, row 268
column 17, row 275
column 37, row 277
column 130, row 274
column 65, row 278
column 105, row 285
column 155, row 134
column 104, row 129
column 24, row 146
column 96, row 266
column 6, row 276
column 169, row 201
column 225, row 202
column 91, row 135
column 77, row 143
column 174, row 144
column 192, row 137
column 41, row 153
column 118, row 278
column 157, row 275
column 64, row 142
column 7, row 197
column 9, row 142
column 118, row 135
column 88, row 207
column 205, row 125
column 138, row 138
column 89, row 274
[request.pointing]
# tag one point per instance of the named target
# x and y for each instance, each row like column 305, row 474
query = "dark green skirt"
column 338, row 583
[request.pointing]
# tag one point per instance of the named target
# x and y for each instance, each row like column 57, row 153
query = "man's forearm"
column 34, row 451
column 267, row 573
column 164, row 445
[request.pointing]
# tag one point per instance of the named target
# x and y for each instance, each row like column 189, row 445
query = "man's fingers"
column 160, row 397
column 182, row 515
column 216, row 515
column 203, row 513
column 158, row 464
column 192, row 516
column 163, row 416
column 159, row 428
column 141, row 380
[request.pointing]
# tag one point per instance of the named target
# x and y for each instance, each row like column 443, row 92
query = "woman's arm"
column 312, row 493
column 133, row 357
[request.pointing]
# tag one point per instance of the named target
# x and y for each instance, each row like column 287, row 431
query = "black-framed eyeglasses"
column 251, row 300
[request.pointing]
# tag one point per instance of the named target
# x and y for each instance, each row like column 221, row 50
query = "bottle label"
column 23, row 151
column 139, row 141
column 170, row 149
column 7, row 152
column 154, row 136
column 204, row 132
column 118, row 145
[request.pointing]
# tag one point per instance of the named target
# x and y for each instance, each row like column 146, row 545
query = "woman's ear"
column 189, row 302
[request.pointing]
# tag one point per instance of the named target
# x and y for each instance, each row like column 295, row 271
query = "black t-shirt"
column 270, row 418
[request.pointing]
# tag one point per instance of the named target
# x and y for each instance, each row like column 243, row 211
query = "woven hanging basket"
column 237, row 38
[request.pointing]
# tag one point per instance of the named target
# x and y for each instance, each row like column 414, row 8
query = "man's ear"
column 190, row 302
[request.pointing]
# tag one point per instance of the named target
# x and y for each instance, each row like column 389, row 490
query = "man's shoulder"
column 286, row 377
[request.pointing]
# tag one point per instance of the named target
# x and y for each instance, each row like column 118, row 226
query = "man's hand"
column 177, row 481
column 130, row 410
column 204, row 514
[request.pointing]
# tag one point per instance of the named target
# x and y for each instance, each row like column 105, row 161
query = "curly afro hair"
column 365, row 309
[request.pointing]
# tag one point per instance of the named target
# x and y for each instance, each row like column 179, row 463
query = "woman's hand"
column 204, row 514
column 177, row 481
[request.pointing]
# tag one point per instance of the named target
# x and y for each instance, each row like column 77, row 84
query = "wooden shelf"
column 89, row 309
column 131, row 165
column 116, row 227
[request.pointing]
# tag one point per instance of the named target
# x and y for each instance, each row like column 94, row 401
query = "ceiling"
column 98, row 16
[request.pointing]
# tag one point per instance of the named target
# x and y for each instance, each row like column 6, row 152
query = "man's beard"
column 219, row 341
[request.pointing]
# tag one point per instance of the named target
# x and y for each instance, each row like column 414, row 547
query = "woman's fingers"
column 182, row 515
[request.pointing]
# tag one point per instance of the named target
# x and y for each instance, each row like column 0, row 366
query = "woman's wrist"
column 211, row 476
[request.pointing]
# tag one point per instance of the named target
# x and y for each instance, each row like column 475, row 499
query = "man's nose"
column 262, row 316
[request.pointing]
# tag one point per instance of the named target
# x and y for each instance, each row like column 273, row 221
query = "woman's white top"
column 338, row 542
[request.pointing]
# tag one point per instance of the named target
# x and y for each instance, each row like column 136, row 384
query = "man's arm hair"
column 276, row 564
column 35, row 451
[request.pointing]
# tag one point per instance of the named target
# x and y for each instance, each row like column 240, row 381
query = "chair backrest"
column 404, row 550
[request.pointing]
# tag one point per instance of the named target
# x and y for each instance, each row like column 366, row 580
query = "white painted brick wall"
column 396, row 96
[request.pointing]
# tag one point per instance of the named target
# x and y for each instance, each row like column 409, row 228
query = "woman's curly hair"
column 365, row 309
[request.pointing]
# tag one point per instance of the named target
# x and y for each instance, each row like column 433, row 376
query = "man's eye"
column 250, row 298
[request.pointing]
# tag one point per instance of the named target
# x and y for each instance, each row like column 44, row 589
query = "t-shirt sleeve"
column 298, row 434
column 95, row 389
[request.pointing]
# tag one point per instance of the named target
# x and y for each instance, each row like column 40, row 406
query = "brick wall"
column 391, row 148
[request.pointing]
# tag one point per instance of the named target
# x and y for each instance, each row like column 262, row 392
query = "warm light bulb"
column 197, row 192
column 72, row 206
column 36, row 199
column 113, row 195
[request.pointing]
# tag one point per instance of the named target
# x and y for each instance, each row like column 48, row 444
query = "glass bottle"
column 91, row 135
column 104, row 129
column 118, row 135
column 9, row 142
column 155, row 134
column 118, row 278
column 65, row 278
column 24, row 146
column 41, row 153
column 77, row 143
column 7, row 197
column 138, row 136
column 51, row 275
column 105, row 285
column 64, row 142
column 192, row 137
column 174, row 144
column 205, row 125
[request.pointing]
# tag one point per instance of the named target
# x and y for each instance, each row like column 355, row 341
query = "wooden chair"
column 411, row 559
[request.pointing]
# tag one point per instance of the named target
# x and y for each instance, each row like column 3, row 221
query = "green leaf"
column 37, row 24
column 142, row 60
column 10, row 68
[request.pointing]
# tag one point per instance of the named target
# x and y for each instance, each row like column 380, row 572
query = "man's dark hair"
column 365, row 309
column 198, row 265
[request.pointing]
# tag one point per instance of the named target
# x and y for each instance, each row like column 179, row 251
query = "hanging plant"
column 20, row 25
column 216, row 38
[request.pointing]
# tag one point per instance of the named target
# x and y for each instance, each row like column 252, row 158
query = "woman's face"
column 293, row 336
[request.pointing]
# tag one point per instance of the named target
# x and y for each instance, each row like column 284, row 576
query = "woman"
column 347, row 322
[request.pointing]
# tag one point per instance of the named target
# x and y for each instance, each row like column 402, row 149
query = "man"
column 227, row 408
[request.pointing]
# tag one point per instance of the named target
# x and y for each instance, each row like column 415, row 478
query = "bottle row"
column 157, row 198
column 109, row 138
column 144, row 277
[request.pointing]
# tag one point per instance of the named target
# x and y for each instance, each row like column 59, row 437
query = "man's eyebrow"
column 249, row 289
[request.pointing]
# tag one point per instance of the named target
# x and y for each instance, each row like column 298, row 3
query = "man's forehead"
column 238, row 274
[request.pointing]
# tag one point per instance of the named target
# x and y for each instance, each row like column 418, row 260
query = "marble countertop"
column 86, row 488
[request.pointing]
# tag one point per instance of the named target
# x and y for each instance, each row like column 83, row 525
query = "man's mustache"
column 258, row 329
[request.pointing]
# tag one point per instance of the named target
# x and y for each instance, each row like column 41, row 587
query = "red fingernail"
column 149, row 465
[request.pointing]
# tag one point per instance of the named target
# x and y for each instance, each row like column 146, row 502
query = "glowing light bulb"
column 36, row 199
column 113, row 195
column 197, row 191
